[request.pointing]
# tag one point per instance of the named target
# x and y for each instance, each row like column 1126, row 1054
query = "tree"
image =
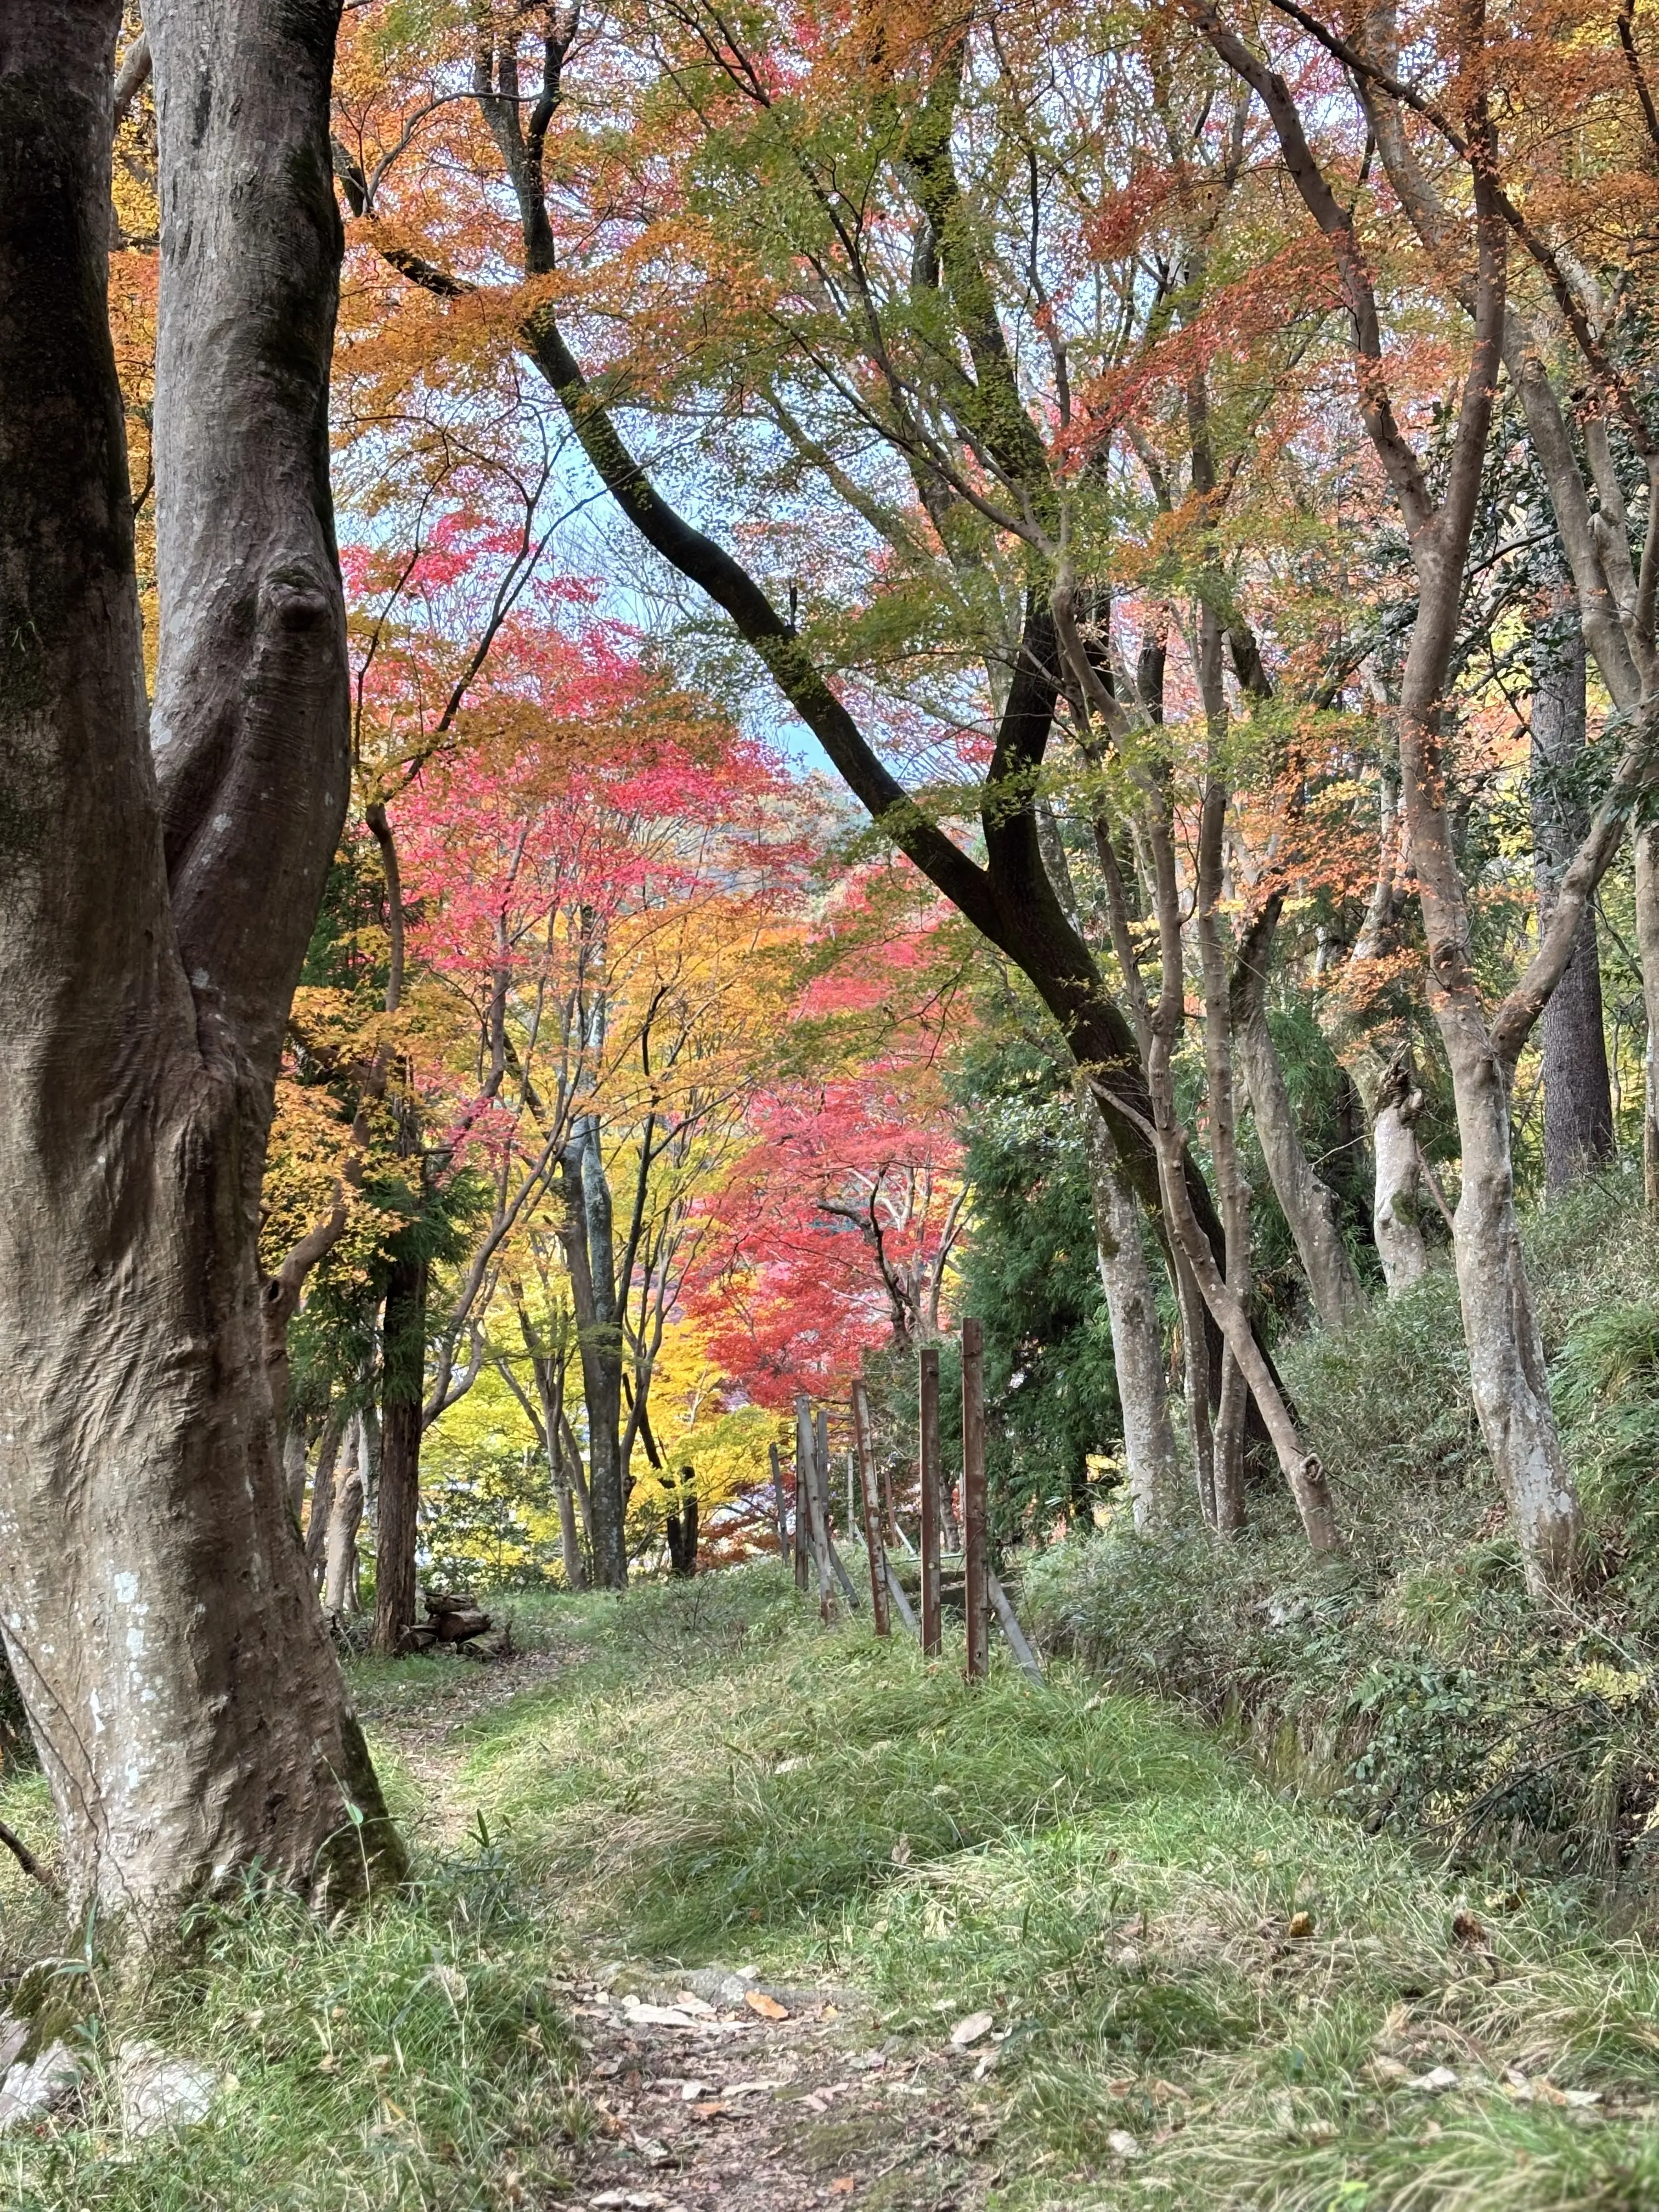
column 1500, row 1325
column 845, row 326
column 156, row 1611
column 833, row 1230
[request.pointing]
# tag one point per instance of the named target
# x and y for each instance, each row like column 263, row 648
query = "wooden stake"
column 1016, row 1635
column 931, row 1638
column 864, row 1445
column 777, row 1500
column 801, row 1525
column 901, row 1603
column 816, row 1515
column 976, row 1590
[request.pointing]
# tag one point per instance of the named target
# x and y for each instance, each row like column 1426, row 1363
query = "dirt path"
column 711, row 2090
column 716, row 2090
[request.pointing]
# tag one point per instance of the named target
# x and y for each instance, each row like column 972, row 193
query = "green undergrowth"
column 1416, row 1684
column 1203, row 1988
column 722, row 1781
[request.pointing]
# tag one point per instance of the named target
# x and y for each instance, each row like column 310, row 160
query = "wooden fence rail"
column 870, row 1503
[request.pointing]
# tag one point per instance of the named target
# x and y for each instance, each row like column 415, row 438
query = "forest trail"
column 709, row 2087
column 811, row 1922
column 706, row 1895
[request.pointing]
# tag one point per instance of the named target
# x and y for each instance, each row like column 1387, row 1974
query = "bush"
column 1414, row 1683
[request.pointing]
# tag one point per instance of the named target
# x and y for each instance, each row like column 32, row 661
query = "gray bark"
column 1578, row 1135
column 345, row 1518
column 322, row 1492
column 1150, row 1460
column 1394, row 1103
column 190, row 1714
column 1149, row 1445
column 1306, row 1202
column 294, row 1470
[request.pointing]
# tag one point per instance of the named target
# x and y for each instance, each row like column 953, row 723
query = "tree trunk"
column 683, row 1529
column 1308, row 1204
column 190, row 1716
column 585, row 1237
column 1506, row 1353
column 344, row 1519
column 1231, row 1187
column 1394, row 1103
column 570, row 1542
column 1578, row 1132
column 1647, row 940
column 1148, row 1445
column 322, row 1492
column 294, row 1466
column 403, row 1393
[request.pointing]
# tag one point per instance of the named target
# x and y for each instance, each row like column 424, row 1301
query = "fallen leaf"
column 1301, row 1927
column 968, row 2030
column 844, row 2187
column 1435, row 2082
column 901, row 1851
column 711, row 2111
column 987, row 2060
column 767, row 2007
column 1121, row 2142
column 691, row 2091
column 650, row 2015
column 686, row 2002
column 1579, row 2100
column 1388, row 2072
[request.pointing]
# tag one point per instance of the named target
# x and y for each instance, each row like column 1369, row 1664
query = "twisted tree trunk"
column 190, row 1716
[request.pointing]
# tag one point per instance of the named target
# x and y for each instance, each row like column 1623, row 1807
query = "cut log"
column 454, row 1617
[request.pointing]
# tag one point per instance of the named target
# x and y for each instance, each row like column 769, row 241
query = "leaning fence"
column 806, row 1530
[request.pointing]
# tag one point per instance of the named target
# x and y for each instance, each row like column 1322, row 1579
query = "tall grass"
column 1177, row 1957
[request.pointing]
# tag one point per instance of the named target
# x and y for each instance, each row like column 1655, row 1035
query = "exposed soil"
column 737, row 2109
column 711, row 2089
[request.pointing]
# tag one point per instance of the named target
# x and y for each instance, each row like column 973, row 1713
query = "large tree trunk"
column 1149, row 1446
column 1500, row 1325
column 190, row 1716
column 1578, row 1134
column 403, row 1394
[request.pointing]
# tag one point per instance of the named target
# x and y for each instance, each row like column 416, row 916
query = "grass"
column 712, row 1778
column 1415, row 1685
